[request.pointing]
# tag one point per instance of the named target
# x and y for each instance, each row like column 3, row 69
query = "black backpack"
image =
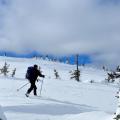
column 29, row 72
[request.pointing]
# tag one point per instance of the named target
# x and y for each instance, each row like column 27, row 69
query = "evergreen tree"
column 13, row 73
column 75, row 74
column 56, row 74
column 118, row 68
column 92, row 81
column 77, row 71
column 4, row 70
column 103, row 67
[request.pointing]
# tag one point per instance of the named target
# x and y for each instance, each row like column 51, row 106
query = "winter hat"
column 35, row 66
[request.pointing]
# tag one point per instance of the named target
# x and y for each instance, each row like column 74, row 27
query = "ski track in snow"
column 61, row 99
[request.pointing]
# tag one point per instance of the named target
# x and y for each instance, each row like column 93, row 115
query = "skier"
column 31, row 75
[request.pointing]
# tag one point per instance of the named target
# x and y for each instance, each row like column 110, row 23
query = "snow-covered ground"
column 2, row 116
column 61, row 99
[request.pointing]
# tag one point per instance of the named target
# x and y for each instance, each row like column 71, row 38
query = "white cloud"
column 62, row 26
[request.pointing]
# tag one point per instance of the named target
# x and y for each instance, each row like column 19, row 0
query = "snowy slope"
column 62, row 99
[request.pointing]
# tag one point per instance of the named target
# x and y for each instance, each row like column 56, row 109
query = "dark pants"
column 32, row 87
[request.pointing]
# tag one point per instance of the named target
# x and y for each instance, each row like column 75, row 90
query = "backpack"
column 29, row 72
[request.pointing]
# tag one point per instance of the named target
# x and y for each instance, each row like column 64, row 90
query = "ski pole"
column 22, row 86
column 41, row 86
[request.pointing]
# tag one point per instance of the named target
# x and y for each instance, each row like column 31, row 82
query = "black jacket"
column 35, row 73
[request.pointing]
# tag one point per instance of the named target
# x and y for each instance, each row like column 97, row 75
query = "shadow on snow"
column 57, row 108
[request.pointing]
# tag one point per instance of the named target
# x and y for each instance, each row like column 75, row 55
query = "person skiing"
column 31, row 75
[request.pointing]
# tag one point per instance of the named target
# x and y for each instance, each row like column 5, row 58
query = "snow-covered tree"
column 75, row 75
column 13, row 72
column 118, row 68
column 112, row 76
column 103, row 67
column 4, row 69
column 56, row 74
column 92, row 81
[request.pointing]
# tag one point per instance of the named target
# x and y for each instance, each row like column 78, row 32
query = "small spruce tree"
column 118, row 68
column 75, row 75
column 13, row 72
column 56, row 74
column 103, row 67
column 4, row 69
column 92, row 81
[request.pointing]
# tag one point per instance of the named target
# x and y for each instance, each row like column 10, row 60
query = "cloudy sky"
column 62, row 27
